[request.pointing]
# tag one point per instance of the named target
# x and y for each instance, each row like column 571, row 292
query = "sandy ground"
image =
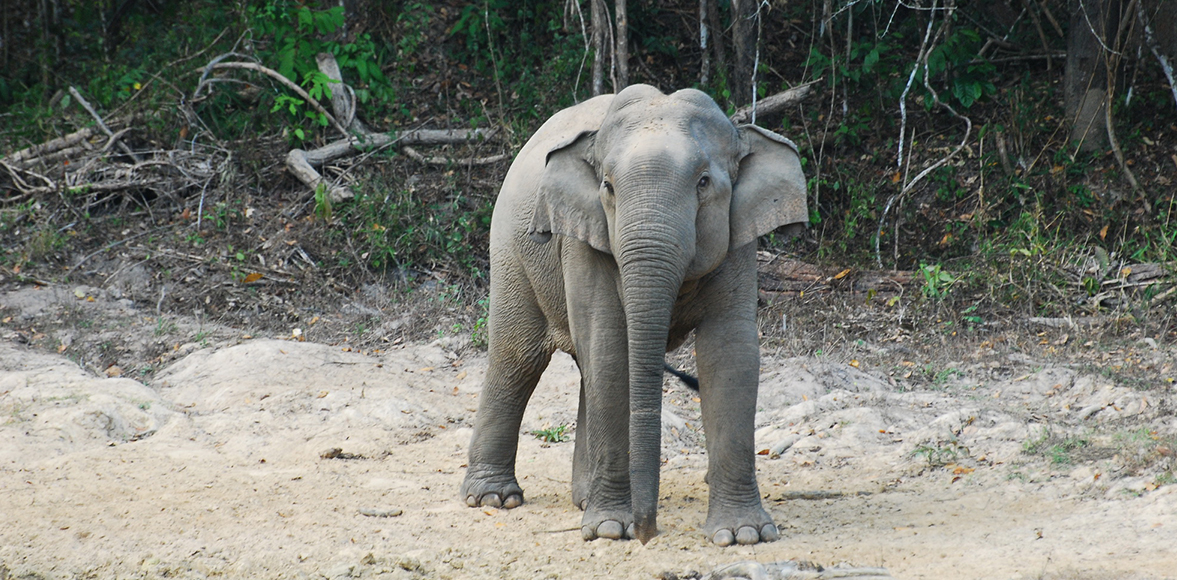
column 219, row 466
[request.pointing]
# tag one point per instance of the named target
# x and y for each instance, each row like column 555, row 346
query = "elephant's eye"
column 608, row 186
column 704, row 182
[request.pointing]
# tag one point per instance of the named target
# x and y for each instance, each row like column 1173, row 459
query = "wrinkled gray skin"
column 626, row 222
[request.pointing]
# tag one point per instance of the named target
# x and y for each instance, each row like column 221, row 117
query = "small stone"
column 381, row 513
column 409, row 564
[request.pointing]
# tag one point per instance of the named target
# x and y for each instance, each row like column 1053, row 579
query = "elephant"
column 626, row 222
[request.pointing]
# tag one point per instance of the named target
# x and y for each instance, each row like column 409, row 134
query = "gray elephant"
column 626, row 222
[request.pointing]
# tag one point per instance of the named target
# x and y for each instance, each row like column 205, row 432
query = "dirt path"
column 216, row 467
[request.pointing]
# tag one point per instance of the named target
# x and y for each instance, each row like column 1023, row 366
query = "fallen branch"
column 302, row 163
column 21, row 184
column 774, row 104
column 441, row 160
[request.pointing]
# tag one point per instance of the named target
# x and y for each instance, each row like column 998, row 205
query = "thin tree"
column 622, row 51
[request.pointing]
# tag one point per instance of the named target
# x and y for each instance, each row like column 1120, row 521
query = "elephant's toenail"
column 609, row 529
column 513, row 501
column 747, row 535
column 471, row 501
column 630, row 533
column 769, row 533
column 587, row 533
column 723, row 538
column 492, row 500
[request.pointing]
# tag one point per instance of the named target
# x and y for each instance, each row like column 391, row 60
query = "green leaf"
column 871, row 59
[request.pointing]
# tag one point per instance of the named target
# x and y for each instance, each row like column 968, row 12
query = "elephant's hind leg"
column 519, row 351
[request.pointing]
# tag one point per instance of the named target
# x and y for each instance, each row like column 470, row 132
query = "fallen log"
column 30, row 155
column 779, row 275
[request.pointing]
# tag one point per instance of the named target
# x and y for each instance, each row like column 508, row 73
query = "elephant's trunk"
column 653, row 265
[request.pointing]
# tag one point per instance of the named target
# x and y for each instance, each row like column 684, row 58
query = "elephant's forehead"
column 669, row 123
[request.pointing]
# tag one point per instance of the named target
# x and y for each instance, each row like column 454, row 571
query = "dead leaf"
column 962, row 470
column 114, row 371
column 253, row 277
column 425, row 370
column 841, row 274
column 322, row 394
column 854, row 363
column 1103, row 232
column 461, row 375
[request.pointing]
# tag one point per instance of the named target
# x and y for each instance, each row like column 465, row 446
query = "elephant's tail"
column 686, row 378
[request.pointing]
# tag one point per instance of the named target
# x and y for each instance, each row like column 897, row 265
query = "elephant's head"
column 668, row 186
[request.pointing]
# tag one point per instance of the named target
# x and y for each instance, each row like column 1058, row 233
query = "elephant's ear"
column 569, row 202
column 770, row 186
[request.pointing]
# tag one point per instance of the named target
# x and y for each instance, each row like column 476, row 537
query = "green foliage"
column 290, row 35
column 968, row 78
column 394, row 228
column 937, row 283
column 557, row 434
column 523, row 48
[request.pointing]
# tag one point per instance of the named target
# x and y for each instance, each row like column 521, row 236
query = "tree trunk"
column 744, row 39
column 716, row 25
column 622, row 46
column 598, row 23
column 1093, row 30
column 704, row 48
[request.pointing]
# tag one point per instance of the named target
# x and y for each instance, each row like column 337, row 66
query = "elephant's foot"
column 491, row 490
column 608, row 524
column 744, row 526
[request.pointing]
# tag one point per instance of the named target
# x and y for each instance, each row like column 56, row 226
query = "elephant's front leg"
column 728, row 354
column 601, row 460
column 519, row 351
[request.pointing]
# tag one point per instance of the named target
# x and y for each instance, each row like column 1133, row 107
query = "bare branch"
column 101, row 125
column 1151, row 40
column 775, row 103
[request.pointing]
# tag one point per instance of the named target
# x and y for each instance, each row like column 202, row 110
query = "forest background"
column 970, row 164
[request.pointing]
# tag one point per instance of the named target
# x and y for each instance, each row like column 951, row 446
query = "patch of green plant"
column 163, row 326
column 395, row 228
column 937, row 282
column 478, row 334
column 946, row 375
column 557, row 434
column 941, row 453
column 1061, row 450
